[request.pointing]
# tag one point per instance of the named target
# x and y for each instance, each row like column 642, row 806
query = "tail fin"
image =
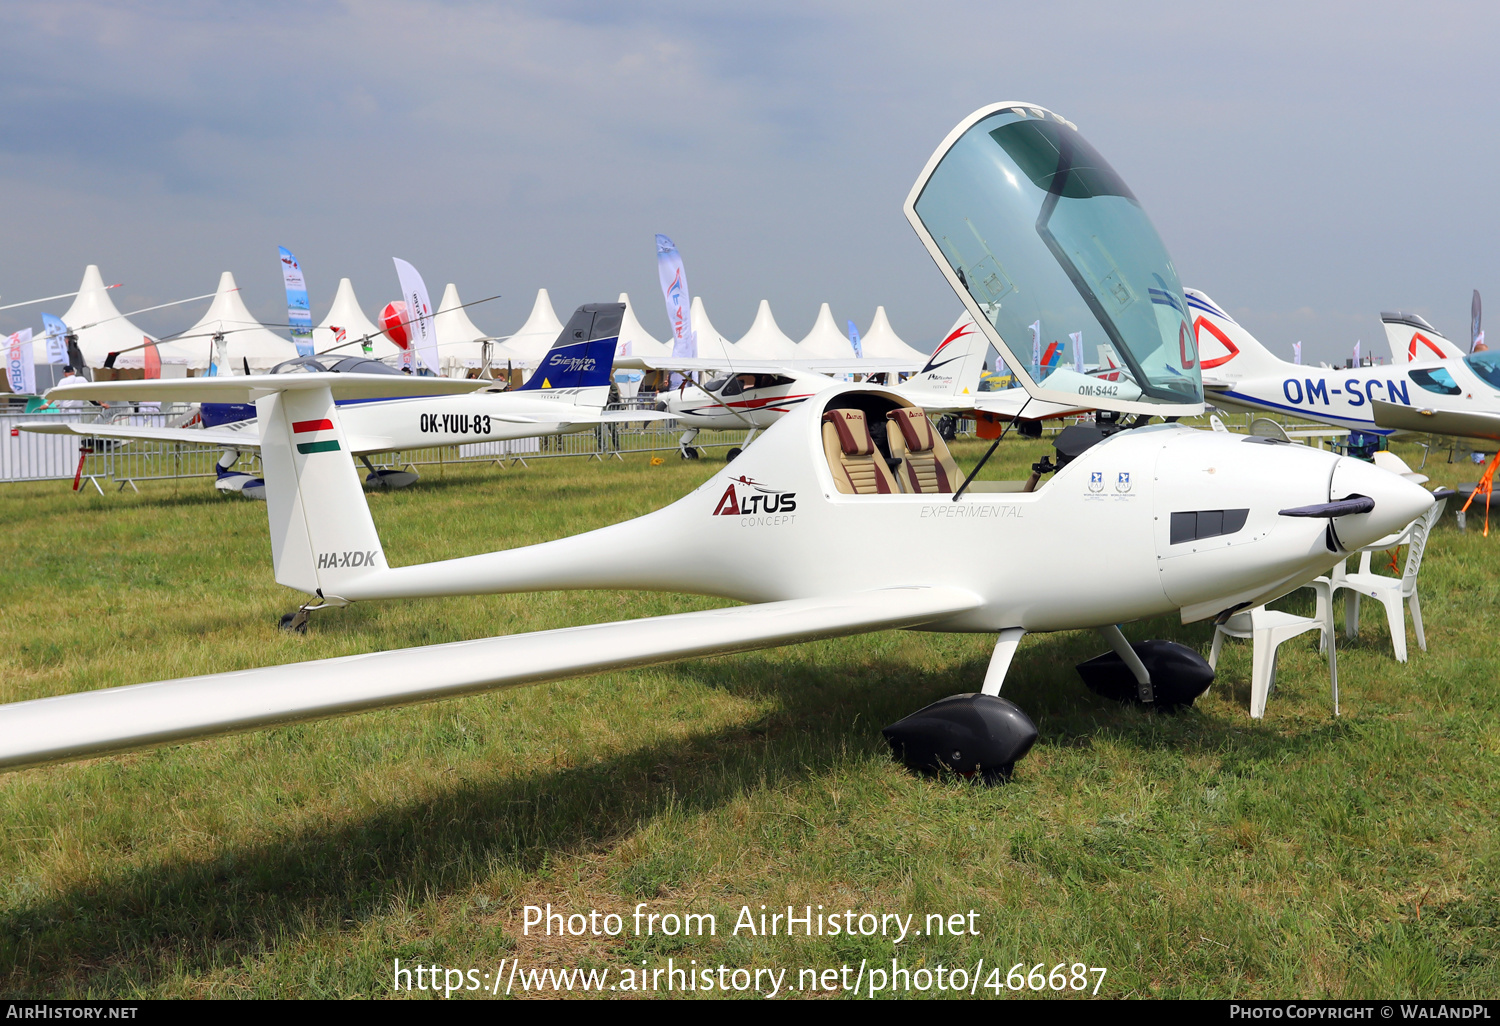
column 322, row 536
column 581, row 359
column 957, row 363
column 1225, row 349
column 1413, row 340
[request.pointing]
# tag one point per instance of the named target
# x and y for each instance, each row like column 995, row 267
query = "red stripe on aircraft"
column 303, row 426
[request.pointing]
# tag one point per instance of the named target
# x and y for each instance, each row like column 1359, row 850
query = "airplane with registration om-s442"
column 1199, row 521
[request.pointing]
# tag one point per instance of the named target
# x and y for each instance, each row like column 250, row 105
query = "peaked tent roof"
column 711, row 345
column 247, row 340
column 765, row 340
column 102, row 330
column 459, row 339
column 634, row 339
column 825, row 341
column 345, row 313
column 532, row 339
column 881, row 342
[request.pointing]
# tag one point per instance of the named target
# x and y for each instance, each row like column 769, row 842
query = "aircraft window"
column 738, row 383
column 715, row 384
column 299, row 365
column 771, row 380
column 1206, row 523
column 1021, row 198
column 1437, row 380
column 362, row 365
column 1487, row 365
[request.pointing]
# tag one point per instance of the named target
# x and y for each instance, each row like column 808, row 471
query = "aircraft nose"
column 1397, row 502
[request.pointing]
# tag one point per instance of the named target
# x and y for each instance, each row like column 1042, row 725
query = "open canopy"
column 765, row 340
column 246, row 339
column 1042, row 239
column 346, row 314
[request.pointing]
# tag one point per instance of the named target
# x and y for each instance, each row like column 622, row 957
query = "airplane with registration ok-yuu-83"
column 382, row 409
column 1198, row 521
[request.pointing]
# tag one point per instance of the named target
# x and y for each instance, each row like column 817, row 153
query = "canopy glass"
column 1057, row 255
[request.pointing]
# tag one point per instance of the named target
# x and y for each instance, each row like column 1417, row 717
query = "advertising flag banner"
column 1297, row 352
column 298, row 312
column 1076, row 338
column 859, row 353
column 1036, row 350
column 1356, row 354
column 20, row 368
column 1476, row 326
column 420, row 329
column 674, row 290
column 57, row 338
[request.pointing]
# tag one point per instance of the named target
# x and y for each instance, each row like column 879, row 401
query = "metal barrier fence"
column 27, row 456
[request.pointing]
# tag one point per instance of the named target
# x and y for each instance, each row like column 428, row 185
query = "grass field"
column 1198, row 855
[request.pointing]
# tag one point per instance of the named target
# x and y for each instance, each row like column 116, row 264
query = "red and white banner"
column 20, row 367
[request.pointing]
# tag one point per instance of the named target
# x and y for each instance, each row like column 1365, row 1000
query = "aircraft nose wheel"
column 972, row 735
column 689, row 453
column 295, row 623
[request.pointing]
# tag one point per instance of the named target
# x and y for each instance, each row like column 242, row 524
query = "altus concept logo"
column 746, row 495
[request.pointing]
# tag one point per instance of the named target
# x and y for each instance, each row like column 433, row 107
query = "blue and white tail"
column 577, row 367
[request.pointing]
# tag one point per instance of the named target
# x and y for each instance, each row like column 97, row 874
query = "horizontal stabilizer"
column 92, row 723
column 250, row 387
column 686, row 364
column 245, row 435
column 1395, row 417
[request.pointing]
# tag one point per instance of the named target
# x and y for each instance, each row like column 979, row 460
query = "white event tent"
column 882, row 343
column 711, row 345
column 102, row 329
column 246, row 339
column 460, row 342
column 634, row 339
column 825, row 341
column 345, row 313
column 532, row 339
column 765, row 340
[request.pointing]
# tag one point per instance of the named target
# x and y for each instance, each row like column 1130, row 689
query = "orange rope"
column 1485, row 485
column 1395, row 553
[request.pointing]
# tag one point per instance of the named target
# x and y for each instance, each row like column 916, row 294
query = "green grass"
column 1194, row 855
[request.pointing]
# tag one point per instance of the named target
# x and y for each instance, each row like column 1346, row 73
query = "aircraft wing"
column 245, row 435
column 849, row 366
column 91, row 723
column 242, row 388
column 1437, row 422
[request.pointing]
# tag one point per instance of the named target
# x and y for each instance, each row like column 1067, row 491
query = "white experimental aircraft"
column 1445, row 393
column 567, row 393
column 755, row 394
column 1201, row 522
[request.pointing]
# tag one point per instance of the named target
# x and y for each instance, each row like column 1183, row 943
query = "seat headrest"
column 853, row 432
column 916, row 429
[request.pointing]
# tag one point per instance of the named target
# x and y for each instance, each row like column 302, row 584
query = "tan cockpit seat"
column 926, row 465
column 858, row 466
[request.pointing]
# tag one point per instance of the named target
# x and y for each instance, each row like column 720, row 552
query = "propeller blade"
column 1328, row 510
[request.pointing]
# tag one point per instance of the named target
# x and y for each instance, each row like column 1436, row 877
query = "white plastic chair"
column 1217, row 424
column 1392, row 592
column 1267, row 629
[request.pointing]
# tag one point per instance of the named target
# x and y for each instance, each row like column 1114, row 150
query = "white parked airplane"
column 1198, row 521
column 1458, row 396
column 567, row 393
column 755, row 394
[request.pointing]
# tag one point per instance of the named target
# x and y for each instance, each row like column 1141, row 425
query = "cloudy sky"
column 1308, row 165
